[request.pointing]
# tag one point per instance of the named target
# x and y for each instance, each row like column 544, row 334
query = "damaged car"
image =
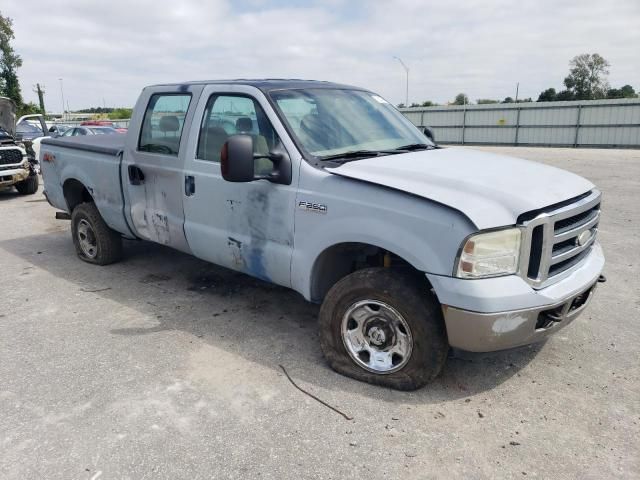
column 17, row 168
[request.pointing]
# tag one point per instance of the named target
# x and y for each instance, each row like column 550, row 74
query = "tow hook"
column 602, row 279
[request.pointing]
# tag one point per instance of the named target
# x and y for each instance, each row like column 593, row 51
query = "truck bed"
column 90, row 161
column 107, row 144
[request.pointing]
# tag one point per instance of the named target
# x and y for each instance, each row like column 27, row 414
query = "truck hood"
column 8, row 115
column 491, row 190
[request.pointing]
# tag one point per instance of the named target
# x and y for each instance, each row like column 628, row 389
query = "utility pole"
column 517, row 88
column 40, row 91
column 62, row 93
column 406, row 69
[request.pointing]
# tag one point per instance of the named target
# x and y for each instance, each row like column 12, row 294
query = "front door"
column 152, row 170
column 243, row 226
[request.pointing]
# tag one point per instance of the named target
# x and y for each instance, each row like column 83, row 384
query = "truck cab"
column 327, row 189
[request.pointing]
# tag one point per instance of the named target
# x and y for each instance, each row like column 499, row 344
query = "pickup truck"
column 17, row 168
column 327, row 189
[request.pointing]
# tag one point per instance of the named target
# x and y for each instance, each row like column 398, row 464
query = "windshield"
column 330, row 122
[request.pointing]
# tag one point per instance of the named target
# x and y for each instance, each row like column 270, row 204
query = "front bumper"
column 11, row 175
column 505, row 312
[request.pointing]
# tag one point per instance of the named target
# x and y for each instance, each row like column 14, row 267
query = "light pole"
column 406, row 69
column 62, row 94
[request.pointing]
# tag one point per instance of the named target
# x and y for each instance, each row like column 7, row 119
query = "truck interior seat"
column 169, row 123
column 211, row 141
column 244, row 125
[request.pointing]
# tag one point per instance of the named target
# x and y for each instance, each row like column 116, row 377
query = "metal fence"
column 592, row 123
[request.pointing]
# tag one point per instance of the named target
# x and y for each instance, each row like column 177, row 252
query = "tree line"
column 587, row 80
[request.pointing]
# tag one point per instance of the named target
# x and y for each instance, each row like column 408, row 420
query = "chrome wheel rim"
column 376, row 336
column 87, row 239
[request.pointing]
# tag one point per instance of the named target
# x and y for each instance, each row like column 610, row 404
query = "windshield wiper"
column 415, row 146
column 353, row 154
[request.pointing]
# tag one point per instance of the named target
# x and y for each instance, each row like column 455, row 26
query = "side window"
column 163, row 123
column 227, row 115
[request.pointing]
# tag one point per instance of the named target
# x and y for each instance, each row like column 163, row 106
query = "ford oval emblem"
column 583, row 238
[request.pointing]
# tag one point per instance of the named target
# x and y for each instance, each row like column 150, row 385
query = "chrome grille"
column 10, row 156
column 556, row 239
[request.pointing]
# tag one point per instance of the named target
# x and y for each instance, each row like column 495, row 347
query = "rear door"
column 243, row 226
column 153, row 162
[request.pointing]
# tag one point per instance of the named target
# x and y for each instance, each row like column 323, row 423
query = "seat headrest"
column 169, row 123
column 244, row 124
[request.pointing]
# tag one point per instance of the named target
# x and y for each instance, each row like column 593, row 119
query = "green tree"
column 549, row 95
column 124, row 113
column 587, row 79
column 28, row 109
column 565, row 95
column 508, row 100
column 486, row 101
column 626, row 91
column 10, row 62
column 428, row 103
column 461, row 99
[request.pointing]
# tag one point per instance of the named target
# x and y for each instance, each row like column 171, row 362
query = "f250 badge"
column 312, row 207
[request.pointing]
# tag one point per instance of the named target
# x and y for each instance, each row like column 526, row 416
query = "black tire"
column 408, row 294
column 106, row 243
column 28, row 186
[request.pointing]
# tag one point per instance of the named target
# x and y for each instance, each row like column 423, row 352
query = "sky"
column 105, row 52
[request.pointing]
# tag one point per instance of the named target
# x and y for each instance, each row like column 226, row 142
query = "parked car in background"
column 103, row 123
column 28, row 130
column 18, row 168
column 58, row 129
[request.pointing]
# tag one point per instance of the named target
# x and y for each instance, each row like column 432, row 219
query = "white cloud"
column 112, row 49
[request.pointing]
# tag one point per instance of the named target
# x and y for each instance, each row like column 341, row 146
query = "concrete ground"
column 164, row 366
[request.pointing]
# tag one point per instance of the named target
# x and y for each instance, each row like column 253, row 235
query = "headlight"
column 490, row 254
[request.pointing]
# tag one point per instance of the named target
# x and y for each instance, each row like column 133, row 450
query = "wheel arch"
column 75, row 193
column 341, row 259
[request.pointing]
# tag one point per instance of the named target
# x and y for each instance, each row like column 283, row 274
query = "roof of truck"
column 267, row 84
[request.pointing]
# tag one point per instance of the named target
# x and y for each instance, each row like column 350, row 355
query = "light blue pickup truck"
column 329, row 190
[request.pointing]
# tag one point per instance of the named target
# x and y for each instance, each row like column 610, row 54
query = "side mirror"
column 428, row 132
column 236, row 159
column 237, row 162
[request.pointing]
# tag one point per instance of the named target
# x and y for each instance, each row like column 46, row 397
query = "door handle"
column 189, row 185
column 136, row 177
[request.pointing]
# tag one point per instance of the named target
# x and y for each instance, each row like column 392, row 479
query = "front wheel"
column 383, row 326
column 29, row 186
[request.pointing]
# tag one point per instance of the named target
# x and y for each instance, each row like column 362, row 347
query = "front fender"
column 425, row 234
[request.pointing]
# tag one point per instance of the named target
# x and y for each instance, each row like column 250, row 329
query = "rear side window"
column 163, row 123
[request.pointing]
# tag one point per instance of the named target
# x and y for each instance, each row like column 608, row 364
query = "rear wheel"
column 28, row 186
column 382, row 326
column 95, row 242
